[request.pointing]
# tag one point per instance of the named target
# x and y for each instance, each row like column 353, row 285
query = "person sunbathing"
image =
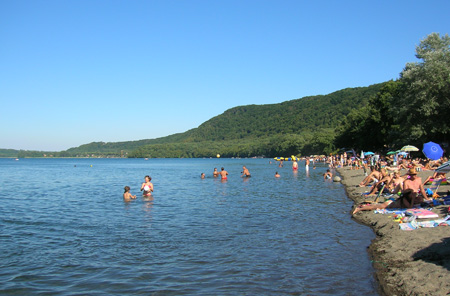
column 435, row 176
column 374, row 176
column 396, row 181
column 408, row 198
column 385, row 179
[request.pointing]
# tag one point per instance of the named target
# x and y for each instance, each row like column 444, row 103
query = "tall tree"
column 425, row 101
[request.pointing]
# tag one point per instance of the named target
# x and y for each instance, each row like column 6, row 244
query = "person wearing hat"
column 412, row 191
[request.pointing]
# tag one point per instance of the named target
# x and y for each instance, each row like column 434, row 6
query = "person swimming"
column 147, row 186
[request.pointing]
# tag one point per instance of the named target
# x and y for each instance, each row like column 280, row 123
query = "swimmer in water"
column 295, row 165
column 327, row 175
column 277, row 175
column 215, row 173
column 127, row 195
column 147, row 187
column 245, row 172
column 223, row 174
column 202, row 176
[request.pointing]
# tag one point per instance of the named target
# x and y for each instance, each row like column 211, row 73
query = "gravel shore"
column 413, row 262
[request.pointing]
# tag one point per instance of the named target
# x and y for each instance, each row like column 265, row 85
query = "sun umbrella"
column 409, row 148
column 432, row 150
column 391, row 152
column 368, row 153
column 445, row 167
column 403, row 153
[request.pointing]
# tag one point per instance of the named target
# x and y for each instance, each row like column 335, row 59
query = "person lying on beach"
column 435, row 176
column 327, row 175
column 374, row 176
column 390, row 203
column 245, row 172
column 147, row 186
column 127, row 195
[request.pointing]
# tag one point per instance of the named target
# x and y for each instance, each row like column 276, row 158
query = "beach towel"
column 421, row 213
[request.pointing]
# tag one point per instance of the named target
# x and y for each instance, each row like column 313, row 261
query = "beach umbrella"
column 432, row 150
column 369, row 153
column 403, row 153
column 391, row 152
column 445, row 167
column 409, row 148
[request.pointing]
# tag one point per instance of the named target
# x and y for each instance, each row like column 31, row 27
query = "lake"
column 65, row 230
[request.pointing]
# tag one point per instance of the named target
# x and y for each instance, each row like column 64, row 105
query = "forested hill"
column 297, row 126
column 290, row 117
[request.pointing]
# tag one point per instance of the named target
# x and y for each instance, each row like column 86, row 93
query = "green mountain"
column 301, row 126
column 9, row 153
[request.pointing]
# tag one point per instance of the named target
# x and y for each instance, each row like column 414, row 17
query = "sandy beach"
column 413, row 262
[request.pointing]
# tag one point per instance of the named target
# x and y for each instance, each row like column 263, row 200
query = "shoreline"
column 413, row 262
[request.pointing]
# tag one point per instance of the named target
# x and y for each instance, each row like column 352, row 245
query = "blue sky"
column 75, row 72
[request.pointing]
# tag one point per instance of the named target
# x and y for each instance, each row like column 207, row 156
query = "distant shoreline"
column 407, row 262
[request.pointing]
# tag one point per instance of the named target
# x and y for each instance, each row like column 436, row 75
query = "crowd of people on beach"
column 383, row 175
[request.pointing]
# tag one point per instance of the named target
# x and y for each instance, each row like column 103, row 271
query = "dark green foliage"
column 412, row 110
column 9, row 153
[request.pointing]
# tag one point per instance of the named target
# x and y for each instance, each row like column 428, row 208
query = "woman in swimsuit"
column 215, row 173
column 147, row 187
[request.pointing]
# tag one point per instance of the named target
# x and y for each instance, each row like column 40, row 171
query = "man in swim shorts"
column 223, row 174
column 307, row 164
column 245, row 172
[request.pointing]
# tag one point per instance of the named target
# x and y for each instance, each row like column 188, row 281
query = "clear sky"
column 75, row 72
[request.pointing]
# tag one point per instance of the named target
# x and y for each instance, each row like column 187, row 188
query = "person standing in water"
column 215, row 173
column 295, row 165
column 223, row 174
column 147, row 186
column 307, row 164
column 245, row 172
column 127, row 195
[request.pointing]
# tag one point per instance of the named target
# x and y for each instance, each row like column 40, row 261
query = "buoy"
column 218, row 155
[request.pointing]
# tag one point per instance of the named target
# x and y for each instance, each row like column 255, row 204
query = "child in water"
column 127, row 195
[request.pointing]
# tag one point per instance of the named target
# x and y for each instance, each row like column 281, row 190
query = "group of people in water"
column 146, row 188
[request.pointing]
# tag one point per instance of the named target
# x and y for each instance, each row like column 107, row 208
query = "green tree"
column 425, row 100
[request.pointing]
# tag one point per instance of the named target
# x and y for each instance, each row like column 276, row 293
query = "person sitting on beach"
column 327, row 175
column 396, row 180
column 374, row 176
column 127, row 195
column 413, row 191
column 245, row 172
column 385, row 179
column 223, row 174
column 215, row 173
column 147, row 186
column 277, row 175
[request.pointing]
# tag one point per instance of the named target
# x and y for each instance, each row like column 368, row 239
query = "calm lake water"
column 65, row 230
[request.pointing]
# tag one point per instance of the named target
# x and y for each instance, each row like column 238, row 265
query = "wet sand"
column 413, row 262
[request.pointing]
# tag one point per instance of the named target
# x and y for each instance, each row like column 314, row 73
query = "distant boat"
column 17, row 159
column 146, row 158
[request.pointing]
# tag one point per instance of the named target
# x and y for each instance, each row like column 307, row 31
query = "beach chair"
column 380, row 192
column 435, row 186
